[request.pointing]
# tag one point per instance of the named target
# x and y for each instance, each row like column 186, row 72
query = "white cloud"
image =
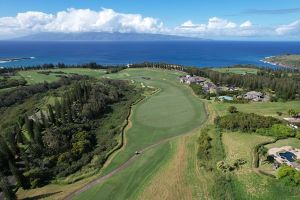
column 79, row 20
column 107, row 20
column 218, row 23
column 218, row 27
column 246, row 24
column 292, row 29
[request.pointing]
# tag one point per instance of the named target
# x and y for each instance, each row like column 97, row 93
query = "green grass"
column 246, row 183
column 261, row 108
column 128, row 183
column 241, row 145
column 294, row 142
column 170, row 112
column 237, row 70
column 33, row 77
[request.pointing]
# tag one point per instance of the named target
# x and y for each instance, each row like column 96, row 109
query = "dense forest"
column 43, row 144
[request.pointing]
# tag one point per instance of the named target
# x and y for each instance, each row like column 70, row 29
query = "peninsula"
column 288, row 60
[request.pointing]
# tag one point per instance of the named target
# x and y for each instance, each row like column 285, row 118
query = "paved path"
column 102, row 179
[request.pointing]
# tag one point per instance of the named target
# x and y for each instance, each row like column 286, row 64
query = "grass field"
column 246, row 182
column 33, row 77
column 234, row 70
column 261, row 108
column 294, row 142
column 171, row 112
column 128, row 183
column 241, row 145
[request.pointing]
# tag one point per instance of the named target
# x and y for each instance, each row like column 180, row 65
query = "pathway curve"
column 102, row 179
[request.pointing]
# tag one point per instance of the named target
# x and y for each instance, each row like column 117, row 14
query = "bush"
column 232, row 109
column 277, row 130
column 245, row 122
column 289, row 175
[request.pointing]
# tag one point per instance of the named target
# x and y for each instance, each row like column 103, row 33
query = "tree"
column 51, row 114
column 292, row 112
column 37, row 134
column 21, row 180
column 6, row 188
column 29, row 125
column 232, row 109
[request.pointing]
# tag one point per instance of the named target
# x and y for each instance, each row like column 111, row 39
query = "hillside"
column 103, row 36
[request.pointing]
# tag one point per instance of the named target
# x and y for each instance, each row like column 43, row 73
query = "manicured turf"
column 172, row 111
column 128, row 183
column 237, row 70
column 261, row 108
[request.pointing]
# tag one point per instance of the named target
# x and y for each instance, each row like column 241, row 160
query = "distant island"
column 288, row 60
column 104, row 36
column 3, row 60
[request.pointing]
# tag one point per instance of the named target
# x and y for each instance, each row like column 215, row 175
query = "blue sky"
column 264, row 15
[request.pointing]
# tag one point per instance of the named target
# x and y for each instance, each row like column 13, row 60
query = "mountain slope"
column 103, row 36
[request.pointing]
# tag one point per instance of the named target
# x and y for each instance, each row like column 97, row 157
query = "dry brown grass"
column 168, row 183
column 53, row 191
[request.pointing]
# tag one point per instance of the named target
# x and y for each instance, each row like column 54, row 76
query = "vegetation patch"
column 47, row 145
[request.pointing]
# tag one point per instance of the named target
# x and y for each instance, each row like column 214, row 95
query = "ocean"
column 200, row 53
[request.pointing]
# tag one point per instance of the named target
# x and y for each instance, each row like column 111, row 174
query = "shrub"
column 278, row 131
column 232, row 109
column 245, row 122
column 289, row 175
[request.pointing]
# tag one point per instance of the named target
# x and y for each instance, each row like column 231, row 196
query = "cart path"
column 102, row 179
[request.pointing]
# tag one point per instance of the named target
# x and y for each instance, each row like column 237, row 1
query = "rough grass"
column 241, row 145
column 236, row 70
column 33, row 77
column 246, row 182
column 261, row 108
column 180, row 177
column 294, row 142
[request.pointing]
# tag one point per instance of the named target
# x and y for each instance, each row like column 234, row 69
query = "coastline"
column 6, row 60
column 278, row 64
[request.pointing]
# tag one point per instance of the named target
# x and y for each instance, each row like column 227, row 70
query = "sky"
column 214, row 19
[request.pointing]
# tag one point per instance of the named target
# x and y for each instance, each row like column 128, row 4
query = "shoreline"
column 278, row 64
column 6, row 60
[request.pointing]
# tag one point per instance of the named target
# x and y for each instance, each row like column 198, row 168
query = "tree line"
column 60, row 139
column 285, row 85
column 92, row 65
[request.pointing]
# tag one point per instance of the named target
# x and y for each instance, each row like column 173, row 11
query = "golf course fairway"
column 157, row 123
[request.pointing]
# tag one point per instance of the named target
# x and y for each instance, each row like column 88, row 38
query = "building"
column 192, row 79
column 254, row 96
column 286, row 155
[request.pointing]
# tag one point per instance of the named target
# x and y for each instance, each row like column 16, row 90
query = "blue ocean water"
column 200, row 53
